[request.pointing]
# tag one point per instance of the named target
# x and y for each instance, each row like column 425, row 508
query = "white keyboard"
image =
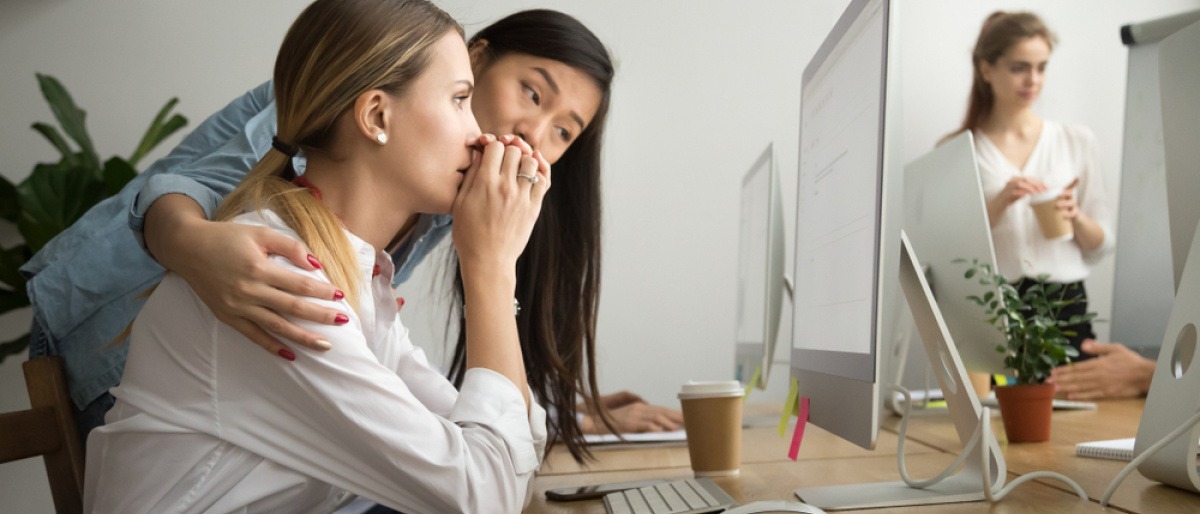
column 687, row 496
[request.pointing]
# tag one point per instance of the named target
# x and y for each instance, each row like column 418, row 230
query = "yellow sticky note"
column 789, row 406
column 753, row 382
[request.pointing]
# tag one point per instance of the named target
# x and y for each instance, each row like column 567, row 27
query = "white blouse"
column 1061, row 154
column 206, row 421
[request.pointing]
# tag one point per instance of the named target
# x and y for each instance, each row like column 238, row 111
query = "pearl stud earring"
column 381, row 138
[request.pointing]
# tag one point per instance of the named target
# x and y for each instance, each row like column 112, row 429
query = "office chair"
column 48, row 429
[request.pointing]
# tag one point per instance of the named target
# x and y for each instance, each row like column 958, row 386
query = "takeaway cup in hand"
column 712, row 414
column 1054, row 225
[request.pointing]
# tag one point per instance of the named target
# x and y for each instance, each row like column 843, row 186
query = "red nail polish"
column 313, row 260
column 376, row 271
column 400, row 302
column 338, row 295
column 341, row 319
column 287, row 354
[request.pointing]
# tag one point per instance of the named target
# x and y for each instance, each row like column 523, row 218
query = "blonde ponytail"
column 265, row 189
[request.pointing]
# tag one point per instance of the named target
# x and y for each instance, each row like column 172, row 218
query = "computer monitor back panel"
column 946, row 218
column 1143, row 272
column 760, row 270
column 1175, row 388
column 848, row 222
column 1179, row 74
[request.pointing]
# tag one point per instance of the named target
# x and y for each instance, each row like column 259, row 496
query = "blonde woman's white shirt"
column 1061, row 154
column 206, row 421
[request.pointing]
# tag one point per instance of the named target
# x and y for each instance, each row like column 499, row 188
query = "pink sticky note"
column 798, row 433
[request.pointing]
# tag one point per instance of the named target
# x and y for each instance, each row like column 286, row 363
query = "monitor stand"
column 962, row 405
column 1172, row 400
column 921, row 402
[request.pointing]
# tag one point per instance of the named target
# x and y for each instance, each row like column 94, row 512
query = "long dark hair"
column 1001, row 30
column 558, row 275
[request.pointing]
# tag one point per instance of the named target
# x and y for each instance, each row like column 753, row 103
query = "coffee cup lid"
column 720, row 389
column 1045, row 196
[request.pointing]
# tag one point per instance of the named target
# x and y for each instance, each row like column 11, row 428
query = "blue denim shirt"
column 86, row 284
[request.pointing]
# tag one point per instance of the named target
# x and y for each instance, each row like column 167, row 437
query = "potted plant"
column 55, row 194
column 1037, row 343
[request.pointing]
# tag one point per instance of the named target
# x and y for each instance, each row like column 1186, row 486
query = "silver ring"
column 533, row 179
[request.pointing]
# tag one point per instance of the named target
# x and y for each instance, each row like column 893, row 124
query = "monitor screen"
column 760, row 271
column 840, row 225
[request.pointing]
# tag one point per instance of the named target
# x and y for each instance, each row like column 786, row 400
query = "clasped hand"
column 499, row 201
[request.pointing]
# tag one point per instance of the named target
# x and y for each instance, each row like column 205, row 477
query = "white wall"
column 701, row 88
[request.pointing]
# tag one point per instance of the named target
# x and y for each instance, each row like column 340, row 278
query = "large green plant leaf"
column 9, row 209
column 55, row 195
column 57, row 141
column 10, row 264
column 158, row 131
column 14, row 347
column 70, row 116
column 52, row 198
column 12, row 300
column 117, row 173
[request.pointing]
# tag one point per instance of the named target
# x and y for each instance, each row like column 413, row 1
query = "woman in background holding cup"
column 1030, row 166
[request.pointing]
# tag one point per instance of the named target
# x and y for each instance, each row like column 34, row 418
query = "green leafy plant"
column 55, row 194
column 1031, row 323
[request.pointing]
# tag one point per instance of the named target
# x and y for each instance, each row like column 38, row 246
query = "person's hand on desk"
column 631, row 414
column 1116, row 372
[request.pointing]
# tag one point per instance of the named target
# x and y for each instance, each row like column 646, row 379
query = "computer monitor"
column 1147, row 257
column 847, row 224
column 945, row 217
column 760, row 283
column 849, row 263
column 1173, row 397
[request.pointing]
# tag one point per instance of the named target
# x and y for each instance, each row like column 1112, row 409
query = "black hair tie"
column 283, row 148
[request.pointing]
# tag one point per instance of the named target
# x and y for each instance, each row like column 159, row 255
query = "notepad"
column 1115, row 449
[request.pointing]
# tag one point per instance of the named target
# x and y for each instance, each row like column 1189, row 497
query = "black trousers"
column 380, row 509
column 1076, row 291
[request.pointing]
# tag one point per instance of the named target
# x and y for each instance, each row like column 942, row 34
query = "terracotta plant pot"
column 1026, row 411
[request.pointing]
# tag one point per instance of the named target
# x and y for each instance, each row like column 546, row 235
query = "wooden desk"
column 825, row 459
column 1111, row 420
column 759, row 445
column 778, row 480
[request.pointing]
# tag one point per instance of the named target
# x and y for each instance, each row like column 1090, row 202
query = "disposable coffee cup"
column 1054, row 226
column 712, row 414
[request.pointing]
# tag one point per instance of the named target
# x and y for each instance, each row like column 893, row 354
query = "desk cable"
column 1154, row 448
column 983, row 431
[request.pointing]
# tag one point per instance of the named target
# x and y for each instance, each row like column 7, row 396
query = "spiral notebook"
column 1116, row 449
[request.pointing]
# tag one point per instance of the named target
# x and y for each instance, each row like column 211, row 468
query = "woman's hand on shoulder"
column 230, row 269
column 498, row 202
